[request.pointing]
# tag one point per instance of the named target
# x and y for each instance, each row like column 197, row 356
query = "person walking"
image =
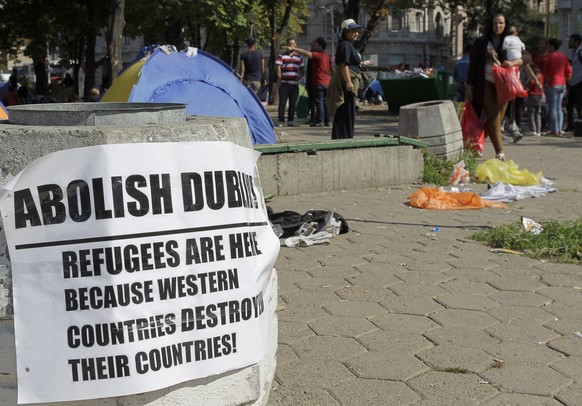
column 480, row 89
column 320, row 76
column 252, row 66
column 290, row 68
column 575, row 84
column 344, row 84
column 556, row 71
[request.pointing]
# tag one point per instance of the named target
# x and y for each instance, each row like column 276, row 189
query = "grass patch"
column 453, row 370
column 559, row 242
column 438, row 170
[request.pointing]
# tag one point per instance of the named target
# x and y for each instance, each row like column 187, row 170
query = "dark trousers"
column 311, row 98
column 514, row 111
column 319, row 95
column 345, row 118
column 574, row 100
column 288, row 92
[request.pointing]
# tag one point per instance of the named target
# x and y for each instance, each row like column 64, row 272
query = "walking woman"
column 480, row 90
column 556, row 71
column 343, row 87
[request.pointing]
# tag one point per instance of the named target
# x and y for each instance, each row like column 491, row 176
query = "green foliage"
column 438, row 170
column 559, row 241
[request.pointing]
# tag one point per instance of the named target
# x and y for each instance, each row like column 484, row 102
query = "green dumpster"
column 446, row 85
column 402, row 91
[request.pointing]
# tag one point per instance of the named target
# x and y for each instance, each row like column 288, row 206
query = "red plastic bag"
column 507, row 83
column 473, row 133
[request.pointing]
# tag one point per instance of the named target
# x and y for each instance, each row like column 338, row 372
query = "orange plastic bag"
column 507, row 83
column 472, row 127
column 437, row 199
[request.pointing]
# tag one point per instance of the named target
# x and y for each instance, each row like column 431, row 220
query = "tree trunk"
column 90, row 66
column 373, row 23
column 276, row 36
column 114, row 40
column 39, row 61
column 41, row 75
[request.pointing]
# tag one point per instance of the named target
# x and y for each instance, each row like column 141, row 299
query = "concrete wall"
column 20, row 145
column 336, row 169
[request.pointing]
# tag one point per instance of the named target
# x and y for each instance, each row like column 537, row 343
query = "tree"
column 114, row 37
column 34, row 23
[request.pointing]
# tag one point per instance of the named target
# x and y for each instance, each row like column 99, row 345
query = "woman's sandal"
column 500, row 156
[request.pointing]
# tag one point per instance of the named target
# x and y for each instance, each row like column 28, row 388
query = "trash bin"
column 400, row 92
column 302, row 103
column 446, row 85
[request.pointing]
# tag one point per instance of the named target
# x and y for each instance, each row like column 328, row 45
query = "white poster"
column 136, row 267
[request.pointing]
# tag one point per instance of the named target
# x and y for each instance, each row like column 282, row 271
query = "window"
column 419, row 27
column 439, row 30
column 396, row 22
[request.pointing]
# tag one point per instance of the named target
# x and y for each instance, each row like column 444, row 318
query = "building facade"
column 430, row 36
column 569, row 21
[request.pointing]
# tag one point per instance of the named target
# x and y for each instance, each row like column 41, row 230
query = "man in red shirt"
column 321, row 63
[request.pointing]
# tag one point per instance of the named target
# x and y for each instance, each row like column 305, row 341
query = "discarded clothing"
column 293, row 223
column 500, row 192
column 313, row 233
column 438, row 199
column 495, row 170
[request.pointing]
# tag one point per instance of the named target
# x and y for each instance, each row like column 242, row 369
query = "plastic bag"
column 472, row 127
column 494, row 170
column 531, row 226
column 507, row 83
column 460, row 174
column 438, row 199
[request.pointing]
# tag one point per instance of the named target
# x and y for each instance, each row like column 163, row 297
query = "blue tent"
column 204, row 83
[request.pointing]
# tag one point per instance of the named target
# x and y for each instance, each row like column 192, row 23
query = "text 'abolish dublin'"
column 135, row 196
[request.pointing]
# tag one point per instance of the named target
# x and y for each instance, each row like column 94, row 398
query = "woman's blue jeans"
column 554, row 96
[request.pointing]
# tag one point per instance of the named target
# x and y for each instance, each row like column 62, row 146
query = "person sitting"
column 68, row 80
column 11, row 96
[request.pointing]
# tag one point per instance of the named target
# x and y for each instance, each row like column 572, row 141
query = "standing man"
column 575, row 83
column 252, row 66
column 321, row 62
column 290, row 68
column 460, row 73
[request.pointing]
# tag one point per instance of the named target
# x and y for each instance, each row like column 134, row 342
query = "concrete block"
column 7, row 390
column 7, row 350
column 434, row 122
column 332, row 170
column 444, row 139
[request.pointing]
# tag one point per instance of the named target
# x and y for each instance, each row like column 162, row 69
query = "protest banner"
column 136, row 267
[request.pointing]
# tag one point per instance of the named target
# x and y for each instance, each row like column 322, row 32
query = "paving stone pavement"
column 393, row 313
